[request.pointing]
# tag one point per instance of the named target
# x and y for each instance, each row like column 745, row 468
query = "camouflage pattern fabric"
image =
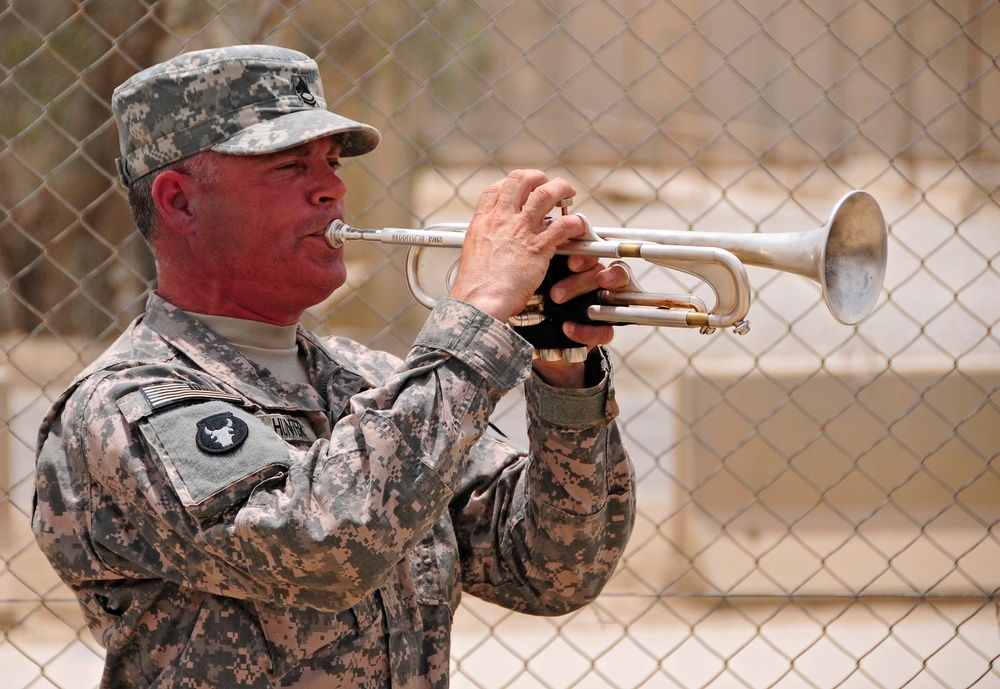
column 222, row 528
column 242, row 100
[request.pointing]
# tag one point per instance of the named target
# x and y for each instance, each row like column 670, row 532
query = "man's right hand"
column 508, row 245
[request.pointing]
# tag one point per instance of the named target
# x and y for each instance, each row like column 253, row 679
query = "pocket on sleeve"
column 214, row 454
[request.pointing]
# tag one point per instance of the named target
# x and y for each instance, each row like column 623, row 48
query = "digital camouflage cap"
column 241, row 100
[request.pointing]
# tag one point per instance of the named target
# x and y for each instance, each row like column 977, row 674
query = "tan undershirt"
column 267, row 345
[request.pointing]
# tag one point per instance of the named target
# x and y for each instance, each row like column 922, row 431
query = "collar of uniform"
column 216, row 356
column 246, row 333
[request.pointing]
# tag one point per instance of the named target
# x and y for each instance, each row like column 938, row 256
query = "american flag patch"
column 165, row 394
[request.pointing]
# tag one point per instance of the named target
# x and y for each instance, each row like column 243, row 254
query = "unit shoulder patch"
column 220, row 433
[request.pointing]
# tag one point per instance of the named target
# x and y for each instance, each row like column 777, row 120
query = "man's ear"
column 172, row 194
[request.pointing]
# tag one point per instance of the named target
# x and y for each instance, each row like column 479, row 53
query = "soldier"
column 237, row 502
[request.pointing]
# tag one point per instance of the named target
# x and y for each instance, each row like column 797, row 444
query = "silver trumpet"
column 847, row 257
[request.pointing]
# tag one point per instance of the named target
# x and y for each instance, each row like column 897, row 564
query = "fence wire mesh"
column 819, row 504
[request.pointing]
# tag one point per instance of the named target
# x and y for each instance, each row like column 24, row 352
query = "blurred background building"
column 819, row 503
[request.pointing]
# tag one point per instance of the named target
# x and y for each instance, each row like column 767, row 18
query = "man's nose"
column 330, row 189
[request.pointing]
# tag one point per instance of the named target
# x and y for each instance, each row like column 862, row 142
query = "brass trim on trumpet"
column 629, row 250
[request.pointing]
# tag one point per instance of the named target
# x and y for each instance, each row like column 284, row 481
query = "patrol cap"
column 241, row 100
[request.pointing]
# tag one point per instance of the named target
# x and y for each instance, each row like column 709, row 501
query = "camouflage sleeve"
column 321, row 527
column 354, row 506
column 544, row 534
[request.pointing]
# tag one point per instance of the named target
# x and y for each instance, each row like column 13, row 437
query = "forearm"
column 392, row 463
column 573, row 441
column 562, row 516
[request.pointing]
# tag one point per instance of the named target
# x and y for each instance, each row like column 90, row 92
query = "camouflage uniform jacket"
column 222, row 528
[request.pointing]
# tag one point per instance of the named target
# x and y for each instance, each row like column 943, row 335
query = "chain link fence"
column 819, row 504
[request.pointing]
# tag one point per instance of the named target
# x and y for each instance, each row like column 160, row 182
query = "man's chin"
column 329, row 289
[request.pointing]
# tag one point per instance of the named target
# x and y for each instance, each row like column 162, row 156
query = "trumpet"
column 847, row 257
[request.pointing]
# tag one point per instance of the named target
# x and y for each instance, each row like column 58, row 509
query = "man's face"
column 261, row 229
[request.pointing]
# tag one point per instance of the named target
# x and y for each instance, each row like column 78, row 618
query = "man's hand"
column 588, row 275
column 506, row 253
column 508, row 245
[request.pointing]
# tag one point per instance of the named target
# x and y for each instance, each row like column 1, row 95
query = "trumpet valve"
column 571, row 355
column 532, row 314
column 525, row 319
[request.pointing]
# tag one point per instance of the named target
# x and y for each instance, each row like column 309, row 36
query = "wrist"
column 560, row 375
column 585, row 374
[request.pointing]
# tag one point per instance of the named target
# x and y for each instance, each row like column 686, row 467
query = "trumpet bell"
column 847, row 256
column 854, row 256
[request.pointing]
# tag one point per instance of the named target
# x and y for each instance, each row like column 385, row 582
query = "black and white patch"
column 303, row 92
column 220, row 433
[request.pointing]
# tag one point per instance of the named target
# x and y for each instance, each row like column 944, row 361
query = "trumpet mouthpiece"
column 338, row 233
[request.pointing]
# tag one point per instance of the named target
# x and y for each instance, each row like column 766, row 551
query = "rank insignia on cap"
column 220, row 433
column 303, row 92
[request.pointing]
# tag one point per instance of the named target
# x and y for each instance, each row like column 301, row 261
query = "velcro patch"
column 214, row 454
column 289, row 428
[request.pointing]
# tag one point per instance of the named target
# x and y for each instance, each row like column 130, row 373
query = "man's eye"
column 334, row 164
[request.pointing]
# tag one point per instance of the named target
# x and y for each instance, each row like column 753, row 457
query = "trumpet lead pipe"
column 452, row 236
column 339, row 233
